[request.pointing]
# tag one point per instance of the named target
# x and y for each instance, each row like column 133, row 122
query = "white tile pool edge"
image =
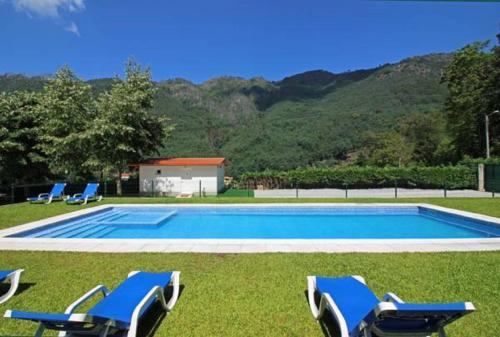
column 248, row 245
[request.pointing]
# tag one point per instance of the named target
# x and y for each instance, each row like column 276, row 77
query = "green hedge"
column 453, row 177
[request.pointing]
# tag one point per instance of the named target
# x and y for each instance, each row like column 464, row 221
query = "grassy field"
column 258, row 294
column 254, row 294
column 238, row 193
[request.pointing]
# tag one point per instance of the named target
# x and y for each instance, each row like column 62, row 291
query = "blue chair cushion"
column 121, row 302
column 5, row 273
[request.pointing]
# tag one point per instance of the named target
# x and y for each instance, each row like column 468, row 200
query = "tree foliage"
column 419, row 138
column 385, row 149
column 67, row 108
column 69, row 131
column 450, row 177
column 124, row 131
column 473, row 82
column 20, row 124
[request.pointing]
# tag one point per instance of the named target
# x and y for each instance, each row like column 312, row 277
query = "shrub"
column 451, row 177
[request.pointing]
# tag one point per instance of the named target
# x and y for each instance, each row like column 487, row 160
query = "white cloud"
column 73, row 28
column 49, row 8
column 53, row 9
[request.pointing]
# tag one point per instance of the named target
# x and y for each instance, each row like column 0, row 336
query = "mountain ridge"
column 312, row 118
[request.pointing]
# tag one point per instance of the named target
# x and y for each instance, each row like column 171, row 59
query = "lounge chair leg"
column 104, row 332
column 367, row 332
column 175, row 294
column 40, row 330
column 163, row 301
column 322, row 307
column 14, row 284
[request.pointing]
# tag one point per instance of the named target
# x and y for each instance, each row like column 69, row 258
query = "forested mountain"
column 313, row 118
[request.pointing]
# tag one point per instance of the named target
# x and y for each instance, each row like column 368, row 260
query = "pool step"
column 103, row 231
column 49, row 232
column 58, row 230
column 87, row 232
column 95, row 226
column 83, row 229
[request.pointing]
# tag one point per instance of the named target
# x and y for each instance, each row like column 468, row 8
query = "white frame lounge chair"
column 119, row 310
column 57, row 193
column 13, row 276
column 89, row 194
column 359, row 313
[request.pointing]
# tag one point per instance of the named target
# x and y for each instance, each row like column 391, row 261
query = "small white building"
column 175, row 176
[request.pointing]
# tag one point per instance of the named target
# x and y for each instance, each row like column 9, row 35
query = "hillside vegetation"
column 314, row 118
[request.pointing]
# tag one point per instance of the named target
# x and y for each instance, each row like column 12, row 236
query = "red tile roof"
column 181, row 162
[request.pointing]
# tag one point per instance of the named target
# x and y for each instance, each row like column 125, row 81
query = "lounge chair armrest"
column 72, row 307
column 43, row 194
column 424, row 309
column 77, row 195
column 391, row 297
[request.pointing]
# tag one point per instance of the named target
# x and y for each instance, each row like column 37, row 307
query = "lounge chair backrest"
column 90, row 190
column 58, row 189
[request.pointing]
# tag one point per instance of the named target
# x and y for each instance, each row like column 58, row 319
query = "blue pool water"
column 267, row 223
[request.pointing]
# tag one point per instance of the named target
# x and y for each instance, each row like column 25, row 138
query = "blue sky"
column 199, row 40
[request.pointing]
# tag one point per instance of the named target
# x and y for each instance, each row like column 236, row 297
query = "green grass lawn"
column 254, row 294
column 238, row 193
column 258, row 294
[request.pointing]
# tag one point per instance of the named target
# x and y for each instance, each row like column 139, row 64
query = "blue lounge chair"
column 359, row 312
column 89, row 194
column 13, row 276
column 118, row 312
column 57, row 193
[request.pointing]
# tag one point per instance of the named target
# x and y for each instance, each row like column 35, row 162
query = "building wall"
column 173, row 180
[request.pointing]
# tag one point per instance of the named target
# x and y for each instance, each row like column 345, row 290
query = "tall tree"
column 385, row 149
column 125, row 130
column 492, row 91
column 426, row 133
column 67, row 107
column 20, row 122
column 468, row 77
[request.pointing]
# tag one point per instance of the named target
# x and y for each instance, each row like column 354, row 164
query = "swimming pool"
column 265, row 222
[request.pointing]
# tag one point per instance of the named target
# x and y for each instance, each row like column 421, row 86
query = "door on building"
column 187, row 181
column 492, row 178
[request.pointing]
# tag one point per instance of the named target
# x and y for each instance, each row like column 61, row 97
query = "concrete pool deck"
column 247, row 245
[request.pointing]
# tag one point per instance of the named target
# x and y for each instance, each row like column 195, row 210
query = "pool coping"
column 248, row 245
